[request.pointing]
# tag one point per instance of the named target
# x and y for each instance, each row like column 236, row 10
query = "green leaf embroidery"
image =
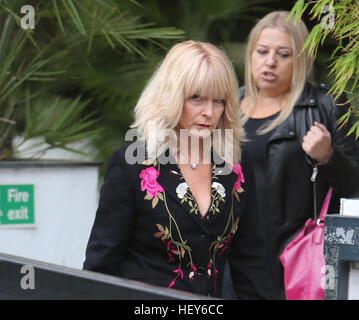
column 149, row 162
column 154, row 202
column 147, row 197
column 158, row 235
column 160, row 228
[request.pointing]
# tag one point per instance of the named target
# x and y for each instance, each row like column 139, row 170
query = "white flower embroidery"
column 220, row 189
column 181, row 190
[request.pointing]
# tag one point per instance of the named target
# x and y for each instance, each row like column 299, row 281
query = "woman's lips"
column 268, row 76
column 204, row 126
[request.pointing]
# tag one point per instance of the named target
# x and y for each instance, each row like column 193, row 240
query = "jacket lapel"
column 285, row 130
column 222, row 186
column 175, row 186
column 170, row 178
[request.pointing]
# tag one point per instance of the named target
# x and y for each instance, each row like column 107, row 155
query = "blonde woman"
column 293, row 135
column 175, row 217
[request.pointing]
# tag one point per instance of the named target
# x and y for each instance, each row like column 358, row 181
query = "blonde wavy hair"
column 302, row 63
column 189, row 68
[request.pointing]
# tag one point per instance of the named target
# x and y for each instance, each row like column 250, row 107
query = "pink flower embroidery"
column 193, row 272
column 179, row 273
column 170, row 249
column 209, row 271
column 225, row 245
column 148, row 181
column 238, row 170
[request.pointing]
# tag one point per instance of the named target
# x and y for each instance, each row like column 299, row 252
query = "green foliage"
column 44, row 72
column 87, row 61
column 225, row 23
column 344, row 66
column 115, row 82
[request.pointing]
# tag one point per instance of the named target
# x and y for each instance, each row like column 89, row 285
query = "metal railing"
column 341, row 247
column 22, row 278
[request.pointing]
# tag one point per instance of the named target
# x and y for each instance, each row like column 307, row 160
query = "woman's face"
column 272, row 62
column 201, row 115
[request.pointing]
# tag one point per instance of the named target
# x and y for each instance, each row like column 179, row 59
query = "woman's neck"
column 197, row 153
column 267, row 99
column 265, row 105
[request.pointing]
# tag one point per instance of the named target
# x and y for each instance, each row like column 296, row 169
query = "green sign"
column 17, row 205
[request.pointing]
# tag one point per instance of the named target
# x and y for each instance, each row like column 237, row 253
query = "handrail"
column 22, row 278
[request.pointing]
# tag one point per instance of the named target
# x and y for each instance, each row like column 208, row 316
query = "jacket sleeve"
column 248, row 255
column 114, row 219
column 342, row 169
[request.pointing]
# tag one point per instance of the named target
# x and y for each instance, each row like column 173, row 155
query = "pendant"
column 194, row 165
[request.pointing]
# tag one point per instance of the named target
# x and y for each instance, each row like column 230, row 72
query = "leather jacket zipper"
column 312, row 178
column 315, row 173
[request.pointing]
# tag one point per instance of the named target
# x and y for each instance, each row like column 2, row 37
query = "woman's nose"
column 271, row 61
column 208, row 108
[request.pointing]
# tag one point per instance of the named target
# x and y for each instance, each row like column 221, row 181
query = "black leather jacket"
column 289, row 197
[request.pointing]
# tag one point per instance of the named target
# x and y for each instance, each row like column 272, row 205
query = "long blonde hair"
column 189, row 68
column 302, row 64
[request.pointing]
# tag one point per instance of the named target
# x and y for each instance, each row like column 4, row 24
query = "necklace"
column 194, row 165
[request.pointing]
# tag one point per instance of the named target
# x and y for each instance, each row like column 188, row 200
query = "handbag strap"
column 315, row 169
column 325, row 205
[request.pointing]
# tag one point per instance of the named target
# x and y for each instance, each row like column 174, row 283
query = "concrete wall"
column 66, row 198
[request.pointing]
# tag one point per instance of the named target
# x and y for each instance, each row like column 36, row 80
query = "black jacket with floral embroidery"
column 148, row 228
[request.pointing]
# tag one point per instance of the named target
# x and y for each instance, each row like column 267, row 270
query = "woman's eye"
column 219, row 101
column 196, row 98
column 284, row 55
column 261, row 52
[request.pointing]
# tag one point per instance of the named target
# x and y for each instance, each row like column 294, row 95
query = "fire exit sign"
column 17, row 205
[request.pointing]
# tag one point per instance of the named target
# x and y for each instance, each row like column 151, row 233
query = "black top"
column 289, row 200
column 256, row 148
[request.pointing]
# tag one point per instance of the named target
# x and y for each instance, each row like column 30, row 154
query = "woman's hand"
column 317, row 143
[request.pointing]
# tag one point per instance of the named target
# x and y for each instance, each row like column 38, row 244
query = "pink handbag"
column 303, row 260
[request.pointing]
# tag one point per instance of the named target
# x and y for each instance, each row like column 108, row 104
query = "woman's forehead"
column 209, row 83
column 207, row 91
column 270, row 37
